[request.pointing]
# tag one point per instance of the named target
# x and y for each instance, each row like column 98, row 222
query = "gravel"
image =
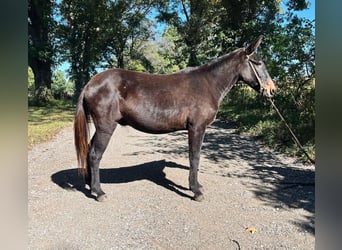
column 246, row 184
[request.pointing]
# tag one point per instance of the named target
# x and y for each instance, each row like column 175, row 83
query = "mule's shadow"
column 277, row 183
column 153, row 171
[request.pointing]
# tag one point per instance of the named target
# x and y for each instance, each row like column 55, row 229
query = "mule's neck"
column 224, row 73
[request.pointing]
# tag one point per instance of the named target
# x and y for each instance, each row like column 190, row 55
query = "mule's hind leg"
column 99, row 144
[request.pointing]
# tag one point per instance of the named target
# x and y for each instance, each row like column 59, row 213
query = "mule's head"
column 253, row 70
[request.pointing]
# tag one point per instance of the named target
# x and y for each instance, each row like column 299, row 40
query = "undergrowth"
column 256, row 117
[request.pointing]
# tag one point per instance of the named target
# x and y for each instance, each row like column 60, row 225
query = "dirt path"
column 149, row 207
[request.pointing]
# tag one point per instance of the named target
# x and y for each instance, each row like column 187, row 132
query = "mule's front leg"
column 196, row 135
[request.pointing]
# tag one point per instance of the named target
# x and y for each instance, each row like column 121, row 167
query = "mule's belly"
column 157, row 122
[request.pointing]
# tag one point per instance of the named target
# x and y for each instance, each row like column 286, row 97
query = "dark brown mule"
column 186, row 100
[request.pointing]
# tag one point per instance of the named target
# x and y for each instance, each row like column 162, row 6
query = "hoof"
column 102, row 198
column 198, row 197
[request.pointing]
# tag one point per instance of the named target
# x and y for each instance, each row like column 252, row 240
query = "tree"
column 97, row 33
column 40, row 47
column 128, row 28
column 212, row 28
column 61, row 88
column 170, row 50
column 190, row 18
column 82, row 38
column 160, row 55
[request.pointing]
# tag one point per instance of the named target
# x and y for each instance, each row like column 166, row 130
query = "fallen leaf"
column 251, row 230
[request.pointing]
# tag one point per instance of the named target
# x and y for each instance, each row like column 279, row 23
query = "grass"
column 45, row 122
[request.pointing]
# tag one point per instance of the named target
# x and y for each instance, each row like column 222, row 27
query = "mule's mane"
column 211, row 64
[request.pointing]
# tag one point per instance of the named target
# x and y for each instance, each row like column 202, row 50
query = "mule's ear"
column 253, row 46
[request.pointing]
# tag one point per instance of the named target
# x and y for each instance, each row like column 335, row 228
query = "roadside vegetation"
column 256, row 117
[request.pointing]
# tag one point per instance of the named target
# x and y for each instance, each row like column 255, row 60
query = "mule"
column 154, row 103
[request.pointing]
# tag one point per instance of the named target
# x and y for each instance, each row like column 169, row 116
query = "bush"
column 42, row 97
column 61, row 88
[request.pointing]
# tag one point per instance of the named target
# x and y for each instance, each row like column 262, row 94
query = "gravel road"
column 247, row 186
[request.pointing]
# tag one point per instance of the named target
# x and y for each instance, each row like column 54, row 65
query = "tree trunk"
column 42, row 81
column 81, row 79
column 40, row 48
column 42, row 74
column 193, row 60
column 120, row 56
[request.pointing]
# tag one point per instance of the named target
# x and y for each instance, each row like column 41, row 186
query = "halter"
column 261, row 83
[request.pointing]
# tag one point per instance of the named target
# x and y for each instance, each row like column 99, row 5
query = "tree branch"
column 185, row 12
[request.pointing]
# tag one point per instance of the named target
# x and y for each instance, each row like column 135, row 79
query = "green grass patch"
column 45, row 122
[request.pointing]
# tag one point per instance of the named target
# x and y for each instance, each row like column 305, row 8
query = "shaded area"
column 278, row 184
column 152, row 171
column 274, row 181
column 60, row 112
column 284, row 187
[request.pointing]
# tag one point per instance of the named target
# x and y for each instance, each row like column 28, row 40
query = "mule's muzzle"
column 269, row 89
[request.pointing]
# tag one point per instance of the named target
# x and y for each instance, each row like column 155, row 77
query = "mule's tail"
column 81, row 134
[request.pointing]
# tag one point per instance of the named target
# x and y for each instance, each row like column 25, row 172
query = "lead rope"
column 281, row 117
column 293, row 135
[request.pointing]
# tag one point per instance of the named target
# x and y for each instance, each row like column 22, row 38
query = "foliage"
column 42, row 97
column 170, row 49
column 30, row 81
column 131, row 28
column 162, row 56
column 40, row 24
column 61, row 88
column 212, row 28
